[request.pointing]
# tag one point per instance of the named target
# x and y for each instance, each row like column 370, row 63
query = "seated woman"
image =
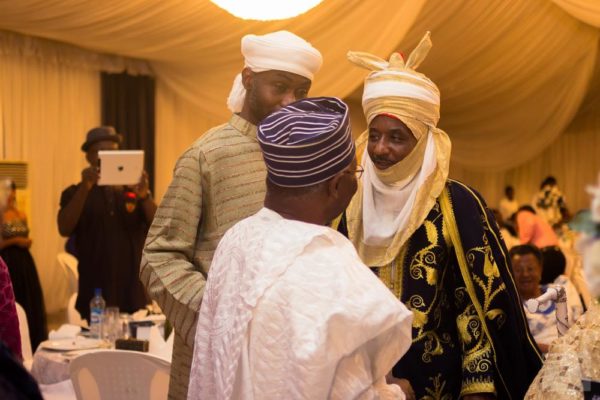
column 535, row 230
column 527, row 268
column 14, row 249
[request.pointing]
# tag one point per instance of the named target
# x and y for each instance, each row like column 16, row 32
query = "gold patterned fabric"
column 425, row 276
column 469, row 331
column 571, row 358
column 218, row 181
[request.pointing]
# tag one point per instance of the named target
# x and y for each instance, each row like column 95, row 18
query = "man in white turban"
column 277, row 51
column 435, row 244
column 218, row 181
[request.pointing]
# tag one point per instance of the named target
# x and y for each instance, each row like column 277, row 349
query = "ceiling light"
column 266, row 10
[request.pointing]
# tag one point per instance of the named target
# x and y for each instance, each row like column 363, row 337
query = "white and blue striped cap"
column 307, row 142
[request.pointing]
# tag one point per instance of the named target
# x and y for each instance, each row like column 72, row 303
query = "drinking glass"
column 112, row 328
column 125, row 330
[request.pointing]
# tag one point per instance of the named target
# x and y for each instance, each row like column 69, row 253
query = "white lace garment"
column 290, row 312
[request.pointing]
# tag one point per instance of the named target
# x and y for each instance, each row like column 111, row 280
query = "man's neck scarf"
column 391, row 204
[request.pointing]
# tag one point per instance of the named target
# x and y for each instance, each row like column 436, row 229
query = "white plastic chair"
column 120, row 375
column 25, row 341
column 69, row 266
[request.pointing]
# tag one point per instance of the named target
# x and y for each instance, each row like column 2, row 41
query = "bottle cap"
column 98, row 292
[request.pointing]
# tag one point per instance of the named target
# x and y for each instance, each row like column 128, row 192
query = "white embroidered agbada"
column 290, row 312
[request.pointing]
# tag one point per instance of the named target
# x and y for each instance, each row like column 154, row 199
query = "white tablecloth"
column 58, row 391
column 51, row 367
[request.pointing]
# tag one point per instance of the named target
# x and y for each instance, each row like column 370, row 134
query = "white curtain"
column 194, row 47
column 178, row 125
column 587, row 11
column 56, row 53
column 512, row 75
column 513, row 94
column 573, row 159
column 200, row 87
column 45, row 110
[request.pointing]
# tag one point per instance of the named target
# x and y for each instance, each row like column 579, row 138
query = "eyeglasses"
column 358, row 171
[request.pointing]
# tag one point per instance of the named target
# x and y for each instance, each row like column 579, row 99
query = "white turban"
column 281, row 51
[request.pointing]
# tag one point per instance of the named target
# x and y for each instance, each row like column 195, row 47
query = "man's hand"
column 479, row 396
column 404, row 385
column 142, row 189
column 89, row 177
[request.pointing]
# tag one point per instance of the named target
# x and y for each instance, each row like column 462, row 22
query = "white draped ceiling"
column 587, row 11
column 195, row 46
column 513, row 74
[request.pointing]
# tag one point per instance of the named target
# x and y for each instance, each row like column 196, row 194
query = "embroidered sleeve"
column 477, row 353
column 478, row 286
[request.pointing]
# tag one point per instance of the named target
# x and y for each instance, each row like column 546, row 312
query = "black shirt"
column 109, row 238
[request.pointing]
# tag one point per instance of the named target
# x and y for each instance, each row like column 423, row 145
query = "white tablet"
column 120, row 167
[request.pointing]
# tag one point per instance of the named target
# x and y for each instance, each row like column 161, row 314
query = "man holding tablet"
column 109, row 224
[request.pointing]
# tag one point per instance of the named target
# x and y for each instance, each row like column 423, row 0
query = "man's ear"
column 333, row 186
column 247, row 78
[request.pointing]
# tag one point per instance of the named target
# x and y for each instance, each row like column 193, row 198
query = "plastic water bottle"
column 97, row 306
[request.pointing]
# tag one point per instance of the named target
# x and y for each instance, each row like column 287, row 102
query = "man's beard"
column 257, row 109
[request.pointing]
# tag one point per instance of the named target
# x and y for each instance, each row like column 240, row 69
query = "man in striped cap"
column 289, row 310
column 218, row 181
column 435, row 244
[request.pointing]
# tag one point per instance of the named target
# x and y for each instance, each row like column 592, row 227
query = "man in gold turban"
column 435, row 244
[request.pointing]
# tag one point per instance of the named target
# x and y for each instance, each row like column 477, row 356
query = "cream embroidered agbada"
column 290, row 312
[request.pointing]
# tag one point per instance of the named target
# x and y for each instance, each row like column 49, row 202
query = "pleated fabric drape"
column 128, row 105
column 194, row 49
column 45, row 110
column 512, row 73
column 587, row 11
